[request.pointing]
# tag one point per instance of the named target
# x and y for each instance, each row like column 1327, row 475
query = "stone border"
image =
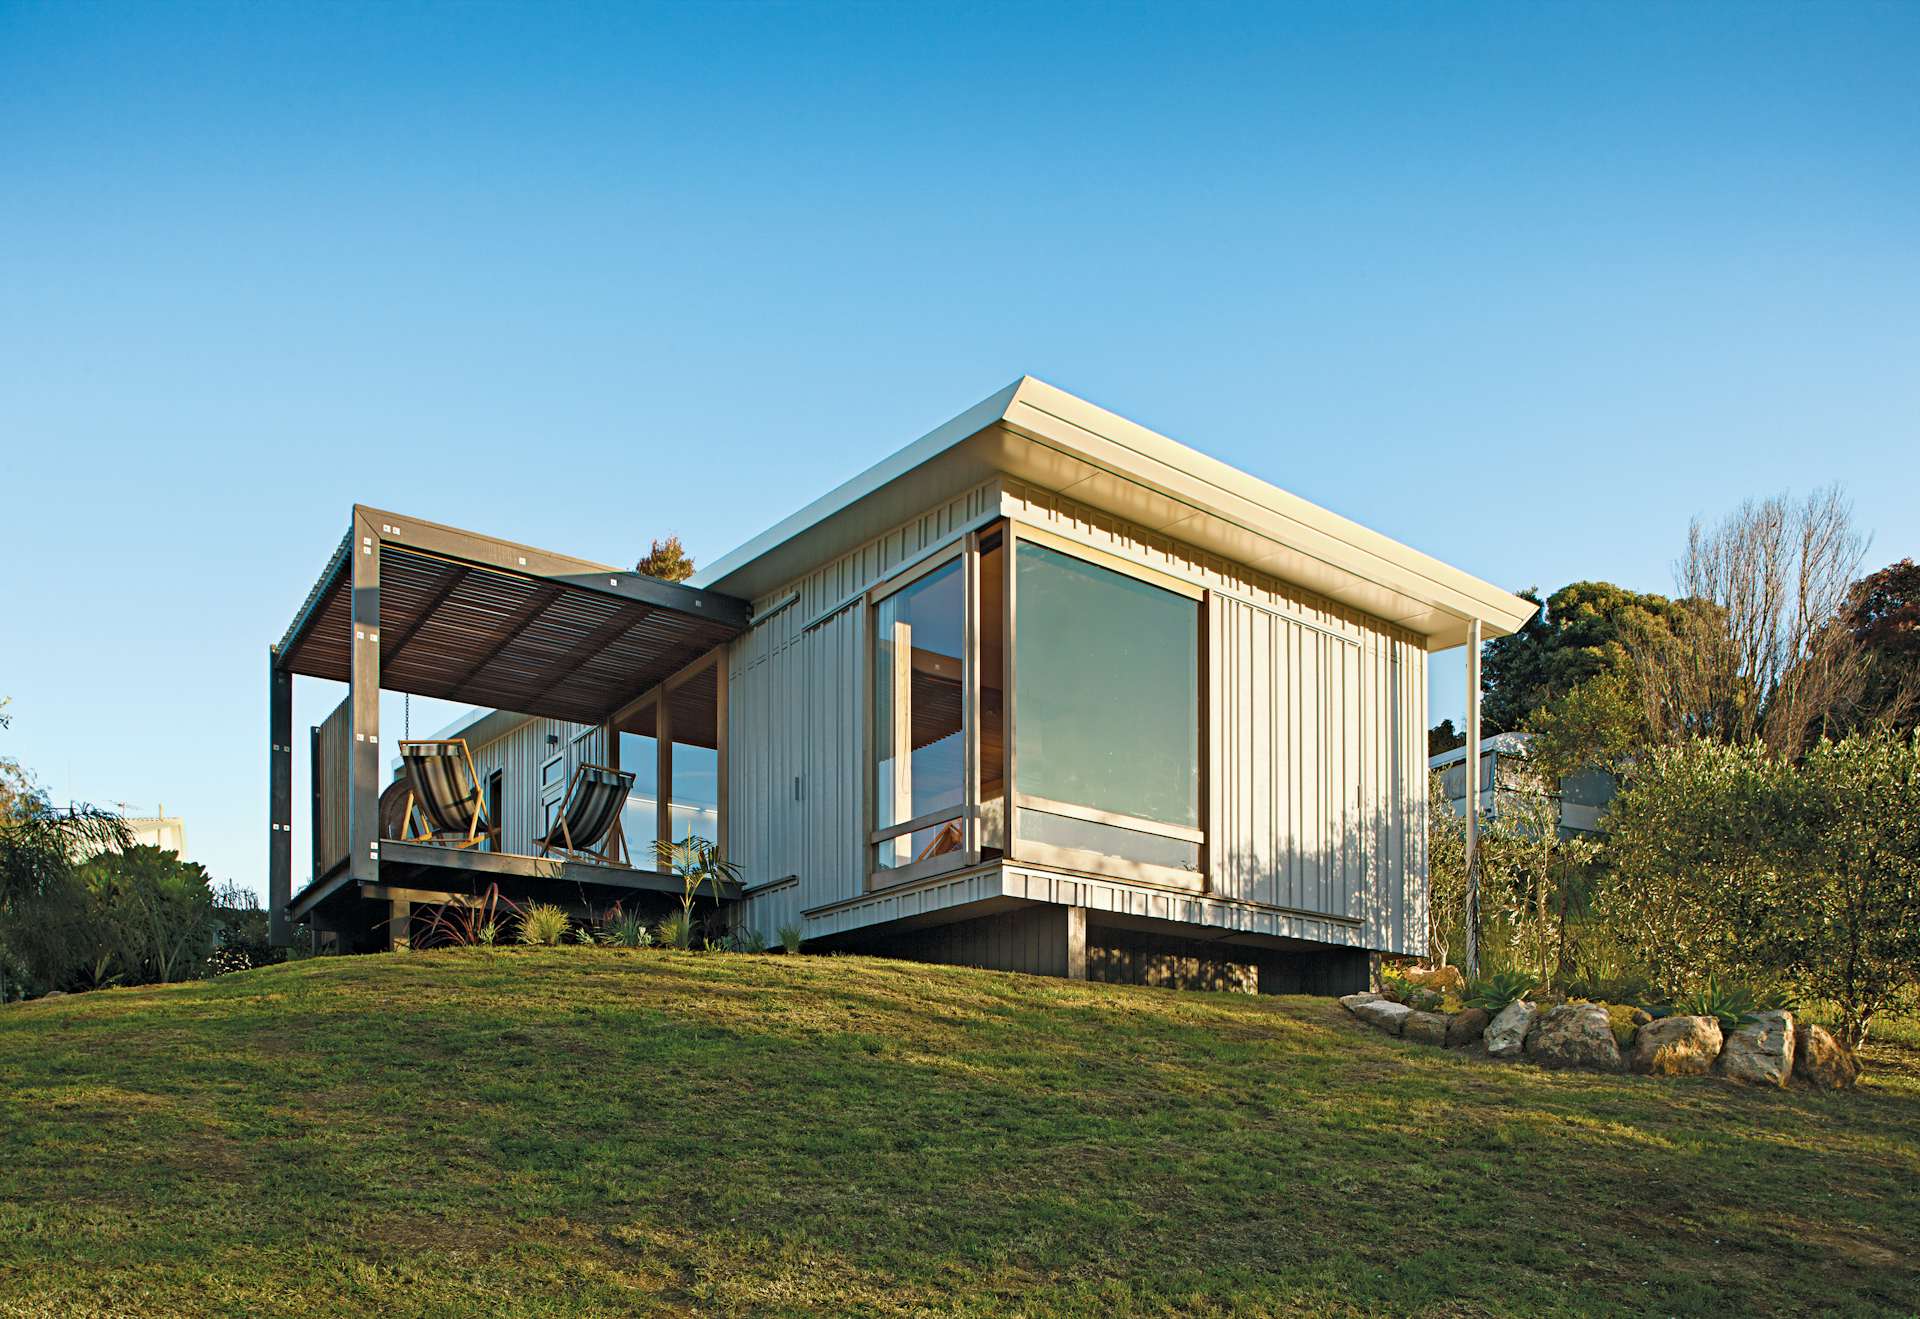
column 1768, row 1049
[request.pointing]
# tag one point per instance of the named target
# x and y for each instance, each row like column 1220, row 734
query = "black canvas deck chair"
column 444, row 801
column 588, row 827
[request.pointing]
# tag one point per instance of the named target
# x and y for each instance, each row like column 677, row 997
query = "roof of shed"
column 1035, row 432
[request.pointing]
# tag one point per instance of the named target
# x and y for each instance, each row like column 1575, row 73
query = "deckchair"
column 588, row 826
column 444, row 801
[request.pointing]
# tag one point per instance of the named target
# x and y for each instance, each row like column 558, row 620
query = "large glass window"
column 918, row 695
column 687, row 714
column 1106, row 711
column 696, row 759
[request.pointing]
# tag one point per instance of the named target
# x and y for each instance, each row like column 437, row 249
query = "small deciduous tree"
column 1751, row 656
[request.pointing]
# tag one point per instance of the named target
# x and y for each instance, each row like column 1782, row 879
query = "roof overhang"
column 467, row 617
column 1033, row 432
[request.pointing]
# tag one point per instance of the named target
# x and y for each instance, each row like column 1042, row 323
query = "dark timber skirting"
column 1037, row 940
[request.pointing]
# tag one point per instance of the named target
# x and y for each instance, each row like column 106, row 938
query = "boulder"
column 1352, row 1002
column 1822, row 1061
column 1463, row 1028
column 1575, row 1035
column 1676, row 1046
column 1427, row 1027
column 1506, row 1034
column 1440, row 979
column 1760, row 1052
column 1384, row 1014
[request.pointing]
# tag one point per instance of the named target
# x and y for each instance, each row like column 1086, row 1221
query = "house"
column 1043, row 690
column 160, row 830
column 1581, row 798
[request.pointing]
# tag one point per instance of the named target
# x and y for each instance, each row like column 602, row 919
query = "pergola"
column 414, row 606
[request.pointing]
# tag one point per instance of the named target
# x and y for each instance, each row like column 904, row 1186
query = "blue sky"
column 1526, row 286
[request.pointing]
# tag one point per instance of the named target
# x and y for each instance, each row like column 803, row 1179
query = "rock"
column 1440, row 979
column 1427, row 1027
column 55, row 993
column 1506, row 1034
column 1352, row 1002
column 1760, row 1052
column 1384, row 1014
column 1822, row 1061
column 1676, row 1046
column 1463, row 1028
column 1575, row 1035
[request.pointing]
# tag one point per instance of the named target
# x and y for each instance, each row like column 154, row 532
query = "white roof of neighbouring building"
column 1035, row 432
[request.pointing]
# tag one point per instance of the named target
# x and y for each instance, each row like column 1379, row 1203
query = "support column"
column 663, row 769
column 399, row 919
column 363, row 723
column 279, row 801
column 1076, row 943
column 1472, row 803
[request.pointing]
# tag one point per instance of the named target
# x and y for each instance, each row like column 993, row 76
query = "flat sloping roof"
column 466, row 617
column 1035, row 432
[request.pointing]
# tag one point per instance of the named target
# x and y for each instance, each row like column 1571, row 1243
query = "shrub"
column 543, row 924
column 675, row 930
column 746, row 939
column 1729, row 1004
column 460, row 924
column 224, row 961
column 1395, row 985
column 627, row 929
column 586, row 936
column 791, row 938
column 1499, row 990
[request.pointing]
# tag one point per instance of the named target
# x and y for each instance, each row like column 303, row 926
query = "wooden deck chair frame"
column 613, row 848
column 479, row 828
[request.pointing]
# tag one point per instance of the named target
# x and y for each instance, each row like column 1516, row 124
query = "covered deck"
column 410, row 606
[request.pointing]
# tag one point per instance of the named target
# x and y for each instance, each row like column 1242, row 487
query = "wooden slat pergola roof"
column 466, row 617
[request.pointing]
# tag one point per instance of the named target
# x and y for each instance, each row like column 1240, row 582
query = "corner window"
column 1034, row 702
column 1106, row 714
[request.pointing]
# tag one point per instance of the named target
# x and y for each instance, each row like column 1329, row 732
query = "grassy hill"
column 579, row 1131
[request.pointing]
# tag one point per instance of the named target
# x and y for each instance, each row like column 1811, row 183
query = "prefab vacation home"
column 1042, row 691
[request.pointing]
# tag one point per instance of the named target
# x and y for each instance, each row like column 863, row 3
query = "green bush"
column 1499, row 990
column 543, row 924
column 627, row 929
column 791, row 938
column 675, row 930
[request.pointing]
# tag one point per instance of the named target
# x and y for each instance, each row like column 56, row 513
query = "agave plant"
column 1499, row 990
column 1730, row 1004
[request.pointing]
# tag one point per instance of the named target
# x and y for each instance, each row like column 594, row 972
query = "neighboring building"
column 1043, row 690
column 167, row 832
column 1504, row 768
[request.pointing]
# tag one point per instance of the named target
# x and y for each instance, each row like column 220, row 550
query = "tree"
column 1579, row 632
column 1733, row 861
column 668, row 560
column 1444, row 737
column 1842, row 917
column 44, row 908
column 1686, row 830
column 152, row 914
column 1751, row 656
column 1883, row 615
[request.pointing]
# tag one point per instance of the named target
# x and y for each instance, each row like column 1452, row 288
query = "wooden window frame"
column 1101, row 864
column 966, row 549
column 655, row 700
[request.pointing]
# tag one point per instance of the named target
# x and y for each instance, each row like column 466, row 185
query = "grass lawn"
column 585, row 1131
